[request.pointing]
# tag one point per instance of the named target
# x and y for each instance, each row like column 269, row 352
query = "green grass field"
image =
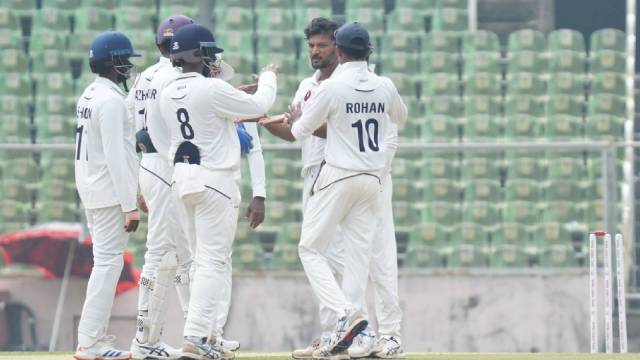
column 409, row 356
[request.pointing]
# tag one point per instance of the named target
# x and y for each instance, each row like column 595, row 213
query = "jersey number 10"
column 371, row 128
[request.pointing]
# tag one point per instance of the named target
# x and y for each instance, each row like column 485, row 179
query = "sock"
column 142, row 334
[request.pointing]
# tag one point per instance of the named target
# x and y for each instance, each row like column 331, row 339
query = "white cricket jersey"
column 143, row 102
column 106, row 166
column 312, row 146
column 358, row 106
column 202, row 110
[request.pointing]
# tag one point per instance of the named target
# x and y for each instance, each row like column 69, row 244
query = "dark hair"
column 165, row 46
column 321, row 26
column 355, row 54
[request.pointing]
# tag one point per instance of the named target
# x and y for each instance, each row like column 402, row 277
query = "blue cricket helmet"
column 193, row 42
column 108, row 45
column 353, row 36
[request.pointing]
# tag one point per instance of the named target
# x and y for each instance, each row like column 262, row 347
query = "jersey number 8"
column 185, row 127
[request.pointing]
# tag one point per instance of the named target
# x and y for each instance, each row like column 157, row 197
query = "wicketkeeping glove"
column 245, row 139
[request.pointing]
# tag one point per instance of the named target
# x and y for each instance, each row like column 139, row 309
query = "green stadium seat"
column 400, row 41
column 248, row 257
column 235, row 18
column 559, row 255
column 528, row 105
column 50, row 19
column 275, row 20
column 14, row 61
column 440, row 41
column 275, row 42
column 285, row 257
column 443, row 105
column 608, row 83
column 8, row 19
column 482, row 127
column 607, row 61
column 526, row 167
column 450, row 19
column 594, row 167
column 95, row 18
column 487, row 84
column 482, row 212
column 483, row 190
column 604, row 127
column 14, row 211
column 404, row 213
column 62, row 4
column 563, row 127
column 365, row 4
column 104, row 4
column 564, row 212
column 305, row 15
column 440, row 128
column 522, row 212
column 457, row 4
column 526, row 39
column 17, row 189
column 523, row 190
column 441, row 212
column 15, row 128
column 56, row 211
column 371, row 18
column 527, row 62
column 43, row 40
column 55, row 126
column 417, row 5
column 522, row 126
column 50, row 60
column 563, row 190
column 273, row 4
column 607, row 39
column 481, row 62
column 82, row 41
column 509, row 245
column 56, row 167
column 475, row 168
column 485, row 105
column 566, row 39
column 606, row 104
column 594, row 214
column 290, row 233
column 14, row 105
column 565, row 83
column 440, row 189
column 428, row 242
column 243, row 63
column 134, row 18
column 437, row 168
column 567, row 61
column 22, row 6
column 57, row 190
column 481, row 41
column 438, row 62
column 7, row 226
column 404, row 189
column 525, row 84
column 222, row 4
column 416, row 107
column 470, row 246
column 401, row 63
column 406, row 19
column 11, row 39
column 564, row 104
column 145, row 40
column 405, row 83
column 56, row 83
column 566, row 168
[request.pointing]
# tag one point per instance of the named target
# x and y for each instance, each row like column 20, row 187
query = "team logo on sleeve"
column 307, row 95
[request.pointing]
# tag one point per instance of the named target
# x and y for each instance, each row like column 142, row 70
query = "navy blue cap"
column 193, row 37
column 353, row 36
column 109, row 44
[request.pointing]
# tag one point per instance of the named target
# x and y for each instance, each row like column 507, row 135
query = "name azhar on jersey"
column 363, row 107
column 146, row 94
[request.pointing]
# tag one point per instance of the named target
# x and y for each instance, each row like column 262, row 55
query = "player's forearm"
column 321, row 132
column 281, row 130
column 257, row 173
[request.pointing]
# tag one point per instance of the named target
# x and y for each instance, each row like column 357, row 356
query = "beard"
column 320, row 64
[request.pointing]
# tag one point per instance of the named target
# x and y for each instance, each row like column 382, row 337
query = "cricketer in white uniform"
column 357, row 106
column 200, row 113
column 168, row 258
column 105, row 171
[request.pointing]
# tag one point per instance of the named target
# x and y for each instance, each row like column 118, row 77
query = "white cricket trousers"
column 210, row 219
column 350, row 200
column 384, row 268
column 164, row 232
column 106, row 226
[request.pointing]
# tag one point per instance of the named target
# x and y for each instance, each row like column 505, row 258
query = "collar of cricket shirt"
column 358, row 65
column 107, row 82
column 165, row 61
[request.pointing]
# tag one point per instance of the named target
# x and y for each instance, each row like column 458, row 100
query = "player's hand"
column 142, row 204
column 131, row 221
column 248, row 88
column 270, row 67
column 255, row 212
column 294, row 113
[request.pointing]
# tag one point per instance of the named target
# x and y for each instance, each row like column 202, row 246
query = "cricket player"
column 205, row 150
column 358, row 107
column 322, row 53
column 168, row 258
column 105, row 171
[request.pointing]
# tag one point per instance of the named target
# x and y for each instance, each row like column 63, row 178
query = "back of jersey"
column 189, row 112
column 357, row 125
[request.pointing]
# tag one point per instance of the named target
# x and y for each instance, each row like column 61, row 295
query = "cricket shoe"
column 307, row 353
column 102, row 349
column 362, row 345
column 347, row 328
column 327, row 352
column 388, row 347
column 201, row 349
column 226, row 345
column 157, row 351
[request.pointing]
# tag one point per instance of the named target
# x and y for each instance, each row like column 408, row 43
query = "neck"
column 326, row 72
column 113, row 76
